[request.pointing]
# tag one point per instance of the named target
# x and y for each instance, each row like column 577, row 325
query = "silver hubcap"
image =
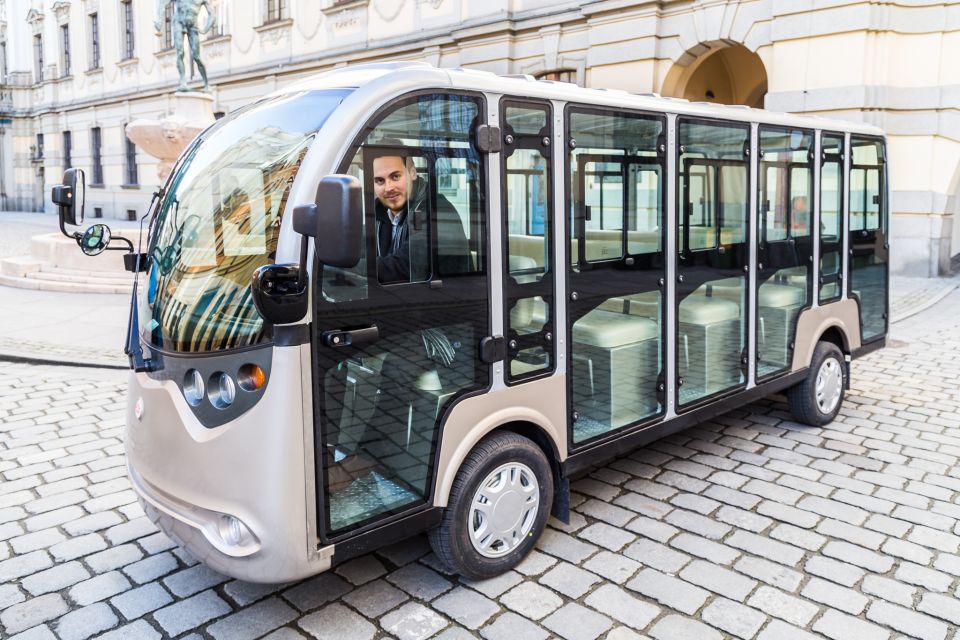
column 504, row 509
column 829, row 385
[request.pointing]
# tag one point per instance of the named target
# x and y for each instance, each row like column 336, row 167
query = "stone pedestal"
column 190, row 113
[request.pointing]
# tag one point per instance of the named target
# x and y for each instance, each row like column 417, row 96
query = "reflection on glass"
column 711, row 338
column 527, row 196
column 868, row 261
column 831, row 217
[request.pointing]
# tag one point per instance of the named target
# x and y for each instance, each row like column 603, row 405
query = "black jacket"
column 405, row 256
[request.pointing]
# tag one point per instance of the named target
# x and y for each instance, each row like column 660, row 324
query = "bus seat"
column 779, row 296
column 524, row 246
column 708, row 344
column 730, row 289
column 707, row 310
column 615, row 368
column 614, row 305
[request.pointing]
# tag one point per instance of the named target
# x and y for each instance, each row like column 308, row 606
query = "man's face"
column 392, row 180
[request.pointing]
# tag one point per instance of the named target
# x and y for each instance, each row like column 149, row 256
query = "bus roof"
column 403, row 76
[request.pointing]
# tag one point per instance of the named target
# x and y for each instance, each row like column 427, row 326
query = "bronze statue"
column 184, row 22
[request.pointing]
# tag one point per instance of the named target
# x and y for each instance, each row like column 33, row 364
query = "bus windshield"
column 220, row 220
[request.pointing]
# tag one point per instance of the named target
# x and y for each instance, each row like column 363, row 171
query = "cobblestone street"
column 750, row 526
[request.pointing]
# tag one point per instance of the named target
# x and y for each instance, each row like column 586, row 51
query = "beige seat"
column 777, row 309
column 709, row 343
column 608, row 330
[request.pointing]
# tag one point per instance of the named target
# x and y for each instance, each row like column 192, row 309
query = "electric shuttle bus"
column 394, row 298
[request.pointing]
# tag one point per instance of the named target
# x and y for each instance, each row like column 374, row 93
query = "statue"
column 185, row 17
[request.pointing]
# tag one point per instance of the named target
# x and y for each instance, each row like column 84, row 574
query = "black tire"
column 803, row 395
column 451, row 539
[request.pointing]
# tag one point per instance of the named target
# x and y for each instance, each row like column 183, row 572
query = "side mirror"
column 277, row 294
column 335, row 221
column 94, row 240
column 70, row 196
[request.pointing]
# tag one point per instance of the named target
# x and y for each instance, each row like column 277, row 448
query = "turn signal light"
column 251, row 377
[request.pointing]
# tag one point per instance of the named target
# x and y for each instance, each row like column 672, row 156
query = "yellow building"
column 74, row 72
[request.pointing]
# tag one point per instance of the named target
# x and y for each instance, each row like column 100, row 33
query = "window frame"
column 67, row 141
column 275, row 11
column 128, row 42
column 131, row 168
column 837, row 158
column 762, row 164
column 96, row 157
column 93, row 22
column 38, row 58
column 65, row 58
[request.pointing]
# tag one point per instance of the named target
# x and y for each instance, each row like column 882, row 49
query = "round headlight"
column 193, row 387
column 223, row 390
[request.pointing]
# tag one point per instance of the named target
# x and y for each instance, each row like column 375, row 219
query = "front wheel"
column 498, row 507
column 816, row 400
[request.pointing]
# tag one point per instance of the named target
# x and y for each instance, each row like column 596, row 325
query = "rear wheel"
column 498, row 507
column 817, row 399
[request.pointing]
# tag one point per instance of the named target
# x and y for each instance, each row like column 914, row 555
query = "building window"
column 560, row 75
column 3, row 62
column 39, row 146
column 64, row 50
column 168, row 26
column 126, row 10
column 94, row 41
column 130, row 153
column 38, row 58
column 275, row 10
column 131, row 214
column 98, row 212
column 219, row 28
column 67, row 150
column 95, row 147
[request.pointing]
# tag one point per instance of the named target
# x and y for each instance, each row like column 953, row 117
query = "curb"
column 20, row 358
column 937, row 297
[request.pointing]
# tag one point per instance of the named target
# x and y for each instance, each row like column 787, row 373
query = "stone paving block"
column 254, row 621
column 706, row 549
column 575, row 622
column 56, row 578
column 30, row 613
column 98, row 588
column 718, row 579
column 839, row 626
column 657, row 556
column 780, row 605
column 779, row 630
column 698, row 524
column 889, row 590
column 113, row 558
column 923, row 577
column 317, row 591
column 336, row 622
column 151, row 567
column 733, row 618
column 606, row 536
column 245, row 593
column 536, row 563
column 907, row 621
column 510, row 626
column 361, row 570
column 78, row 547
column 531, row 600
column 834, row 596
column 419, row 581
column 82, row 623
column 622, row 606
column 766, row 548
column 653, row 529
column 137, row 602
column 669, row 591
column 494, row 587
column 569, row 580
column 10, row 595
column 193, row 580
column 606, row 512
column 190, row 613
column 137, row 528
column 53, row 518
column 139, row 630
column 466, row 607
column 565, row 547
column 839, row 572
column 23, row 565
column 674, row 627
column 413, row 621
column 612, row 566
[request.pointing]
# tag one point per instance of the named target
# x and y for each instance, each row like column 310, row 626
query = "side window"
column 786, row 183
column 865, row 169
column 616, row 184
column 423, row 199
column 831, row 188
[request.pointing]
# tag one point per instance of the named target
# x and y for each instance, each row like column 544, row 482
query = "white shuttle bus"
column 394, row 298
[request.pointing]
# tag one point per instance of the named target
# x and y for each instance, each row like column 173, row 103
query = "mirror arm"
column 128, row 248
column 76, row 236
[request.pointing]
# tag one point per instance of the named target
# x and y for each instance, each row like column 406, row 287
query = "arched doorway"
column 721, row 72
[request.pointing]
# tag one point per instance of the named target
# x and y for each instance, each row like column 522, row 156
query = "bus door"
column 712, row 259
column 616, row 272
column 784, row 244
column 868, row 235
column 396, row 338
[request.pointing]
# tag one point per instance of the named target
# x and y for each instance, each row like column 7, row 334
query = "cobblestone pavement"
column 750, row 526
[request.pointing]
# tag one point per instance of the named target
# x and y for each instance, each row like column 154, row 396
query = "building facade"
column 73, row 73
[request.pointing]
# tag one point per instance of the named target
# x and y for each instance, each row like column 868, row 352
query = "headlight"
column 223, row 390
column 193, row 387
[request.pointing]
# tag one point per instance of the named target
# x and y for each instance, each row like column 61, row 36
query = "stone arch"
column 720, row 71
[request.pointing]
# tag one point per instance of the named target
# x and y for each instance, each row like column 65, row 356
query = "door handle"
column 338, row 338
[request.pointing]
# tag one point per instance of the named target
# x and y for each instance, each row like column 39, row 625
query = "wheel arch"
column 837, row 322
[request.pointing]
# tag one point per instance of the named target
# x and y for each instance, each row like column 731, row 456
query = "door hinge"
column 488, row 139
column 493, row 349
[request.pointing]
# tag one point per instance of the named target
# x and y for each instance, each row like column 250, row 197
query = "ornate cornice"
column 61, row 9
column 35, row 20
